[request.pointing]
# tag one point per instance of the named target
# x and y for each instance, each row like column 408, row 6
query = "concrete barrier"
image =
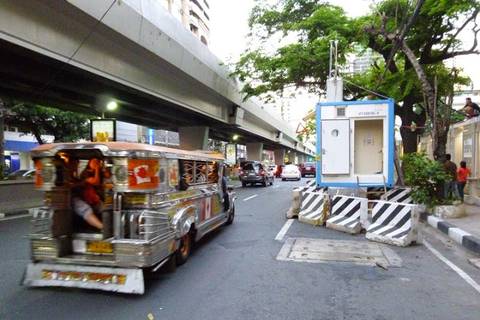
column 401, row 195
column 314, row 209
column 394, row 223
column 297, row 198
column 348, row 214
column 18, row 196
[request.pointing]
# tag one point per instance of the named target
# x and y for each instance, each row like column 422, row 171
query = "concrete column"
column 279, row 155
column 193, row 138
column 254, row 151
column 301, row 158
column 291, row 157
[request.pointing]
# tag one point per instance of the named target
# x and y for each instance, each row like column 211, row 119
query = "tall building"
column 193, row 14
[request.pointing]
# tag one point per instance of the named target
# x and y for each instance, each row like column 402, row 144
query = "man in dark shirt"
column 471, row 109
column 451, row 169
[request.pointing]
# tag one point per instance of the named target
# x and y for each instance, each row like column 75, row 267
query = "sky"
column 229, row 27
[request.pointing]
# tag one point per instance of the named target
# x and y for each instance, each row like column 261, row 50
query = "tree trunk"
column 409, row 140
column 441, row 147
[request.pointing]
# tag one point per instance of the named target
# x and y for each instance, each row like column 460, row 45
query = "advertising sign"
column 231, row 153
column 103, row 130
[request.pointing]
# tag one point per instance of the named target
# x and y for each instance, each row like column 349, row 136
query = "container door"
column 336, row 146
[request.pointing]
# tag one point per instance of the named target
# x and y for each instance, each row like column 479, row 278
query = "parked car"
column 22, row 174
column 291, row 171
column 308, row 168
column 253, row 172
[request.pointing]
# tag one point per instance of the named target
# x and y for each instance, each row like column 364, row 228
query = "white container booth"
column 355, row 143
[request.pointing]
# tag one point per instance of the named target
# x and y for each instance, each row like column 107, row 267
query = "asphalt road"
column 234, row 274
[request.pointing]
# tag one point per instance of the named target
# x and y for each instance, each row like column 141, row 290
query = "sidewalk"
column 464, row 230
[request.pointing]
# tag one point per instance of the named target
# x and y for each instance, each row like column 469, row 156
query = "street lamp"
column 235, row 137
column 110, row 106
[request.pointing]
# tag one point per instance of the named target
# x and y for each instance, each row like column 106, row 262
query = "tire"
column 231, row 216
column 244, row 184
column 183, row 252
column 283, row 179
column 264, row 182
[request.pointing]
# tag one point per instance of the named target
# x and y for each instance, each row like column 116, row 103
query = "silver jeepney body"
column 144, row 221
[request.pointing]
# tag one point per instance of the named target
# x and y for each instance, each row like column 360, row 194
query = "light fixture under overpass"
column 235, row 137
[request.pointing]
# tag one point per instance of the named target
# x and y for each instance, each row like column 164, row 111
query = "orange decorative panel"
column 38, row 173
column 143, row 174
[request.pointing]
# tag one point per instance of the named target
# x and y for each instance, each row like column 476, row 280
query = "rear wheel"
column 244, row 184
column 183, row 252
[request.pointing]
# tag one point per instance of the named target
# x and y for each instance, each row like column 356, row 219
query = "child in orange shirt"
column 462, row 175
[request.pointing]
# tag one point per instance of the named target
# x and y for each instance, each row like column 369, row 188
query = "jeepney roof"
column 125, row 149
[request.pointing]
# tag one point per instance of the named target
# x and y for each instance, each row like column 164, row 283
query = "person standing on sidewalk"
column 451, row 170
column 462, row 175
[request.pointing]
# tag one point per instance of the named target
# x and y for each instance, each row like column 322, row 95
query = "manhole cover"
column 321, row 251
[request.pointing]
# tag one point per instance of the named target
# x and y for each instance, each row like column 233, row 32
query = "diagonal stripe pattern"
column 401, row 195
column 393, row 223
column 312, row 207
column 346, row 212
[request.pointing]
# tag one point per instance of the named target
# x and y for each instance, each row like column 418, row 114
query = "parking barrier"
column 313, row 209
column 349, row 214
column 394, row 223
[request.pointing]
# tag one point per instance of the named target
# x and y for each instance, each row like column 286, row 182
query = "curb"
column 458, row 235
column 17, row 212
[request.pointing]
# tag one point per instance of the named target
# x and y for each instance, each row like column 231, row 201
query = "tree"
column 431, row 34
column 64, row 126
column 426, row 37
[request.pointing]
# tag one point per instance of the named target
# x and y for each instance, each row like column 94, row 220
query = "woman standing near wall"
column 462, row 175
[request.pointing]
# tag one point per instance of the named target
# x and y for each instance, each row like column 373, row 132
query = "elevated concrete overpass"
column 78, row 55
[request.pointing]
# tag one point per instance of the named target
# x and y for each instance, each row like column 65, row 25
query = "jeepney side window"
column 173, row 174
column 201, row 172
column 213, row 172
column 188, row 171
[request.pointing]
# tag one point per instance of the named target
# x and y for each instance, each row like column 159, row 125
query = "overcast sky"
column 229, row 27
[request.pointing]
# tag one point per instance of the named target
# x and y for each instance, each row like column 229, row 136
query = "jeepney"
column 156, row 203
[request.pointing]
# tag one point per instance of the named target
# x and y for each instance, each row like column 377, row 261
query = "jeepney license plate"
column 99, row 247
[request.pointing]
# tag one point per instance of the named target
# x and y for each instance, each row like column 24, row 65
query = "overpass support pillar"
column 301, row 158
column 292, row 155
column 279, row 155
column 193, row 138
column 255, row 151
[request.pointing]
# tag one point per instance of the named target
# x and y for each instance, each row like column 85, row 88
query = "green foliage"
column 65, row 126
column 290, row 43
column 426, row 178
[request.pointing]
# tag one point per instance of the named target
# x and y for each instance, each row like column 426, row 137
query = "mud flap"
column 85, row 277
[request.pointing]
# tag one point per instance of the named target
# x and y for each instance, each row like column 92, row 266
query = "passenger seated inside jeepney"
column 86, row 200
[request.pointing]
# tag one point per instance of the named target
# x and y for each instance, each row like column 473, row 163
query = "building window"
column 204, row 40
column 194, row 29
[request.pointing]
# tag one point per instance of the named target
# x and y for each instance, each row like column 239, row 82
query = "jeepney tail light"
column 120, row 172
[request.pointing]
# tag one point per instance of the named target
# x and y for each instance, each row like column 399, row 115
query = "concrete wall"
column 17, row 195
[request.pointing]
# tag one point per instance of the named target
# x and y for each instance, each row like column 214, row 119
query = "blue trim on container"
column 391, row 142
column 318, row 160
column 350, row 184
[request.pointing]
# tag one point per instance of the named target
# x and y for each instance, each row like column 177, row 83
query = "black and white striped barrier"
column 394, row 223
column 401, row 195
column 297, row 198
column 349, row 214
column 313, row 209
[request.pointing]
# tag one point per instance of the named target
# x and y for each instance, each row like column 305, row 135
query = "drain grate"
column 324, row 251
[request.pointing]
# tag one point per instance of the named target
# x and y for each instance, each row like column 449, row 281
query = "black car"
column 253, row 172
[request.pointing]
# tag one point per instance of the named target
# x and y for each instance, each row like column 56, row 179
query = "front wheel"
column 183, row 252
column 244, row 184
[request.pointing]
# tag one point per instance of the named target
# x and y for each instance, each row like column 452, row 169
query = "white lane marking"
column 284, row 230
column 459, row 271
column 20, row 216
column 251, row 197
